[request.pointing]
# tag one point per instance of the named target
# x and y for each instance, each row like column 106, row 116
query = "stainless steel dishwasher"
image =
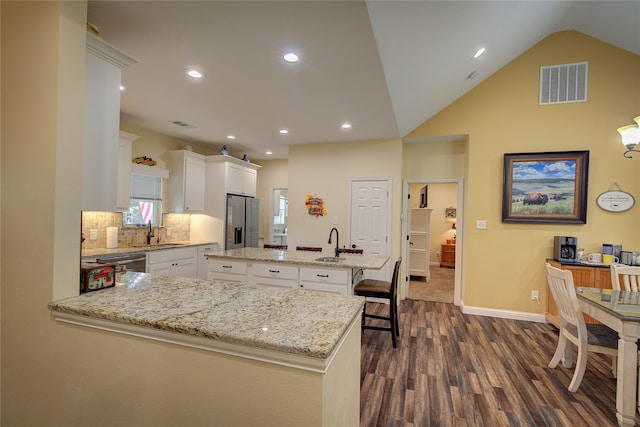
column 126, row 262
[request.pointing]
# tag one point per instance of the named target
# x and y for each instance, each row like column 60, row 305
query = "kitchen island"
column 274, row 356
column 292, row 269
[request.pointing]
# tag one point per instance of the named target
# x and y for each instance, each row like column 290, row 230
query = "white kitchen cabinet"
column 240, row 180
column 419, row 242
column 101, row 124
column 227, row 271
column 278, row 275
column 202, row 259
column 124, row 171
column 177, row 262
column 186, row 182
column 325, row 280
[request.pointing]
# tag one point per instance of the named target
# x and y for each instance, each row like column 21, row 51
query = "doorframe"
column 389, row 181
column 458, row 283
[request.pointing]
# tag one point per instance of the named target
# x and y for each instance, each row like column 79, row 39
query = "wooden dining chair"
column 386, row 290
column 281, row 247
column 574, row 330
column 630, row 277
column 309, row 248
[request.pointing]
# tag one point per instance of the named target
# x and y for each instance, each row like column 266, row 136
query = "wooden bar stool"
column 282, row 247
column 309, row 248
column 350, row 251
column 386, row 290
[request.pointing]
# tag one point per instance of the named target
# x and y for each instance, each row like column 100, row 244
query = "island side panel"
column 148, row 383
column 341, row 394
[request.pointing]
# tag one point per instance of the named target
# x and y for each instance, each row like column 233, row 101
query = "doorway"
column 279, row 216
column 445, row 198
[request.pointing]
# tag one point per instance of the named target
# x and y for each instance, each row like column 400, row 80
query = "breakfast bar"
column 319, row 271
column 278, row 356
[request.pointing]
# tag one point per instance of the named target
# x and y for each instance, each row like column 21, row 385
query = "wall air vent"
column 182, row 124
column 561, row 84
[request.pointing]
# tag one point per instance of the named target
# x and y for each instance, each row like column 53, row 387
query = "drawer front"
column 448, row 248
column 280, row 283
column 324, row 275
column 277, row 271
column 325, row 287
column 167, row 255
column 229, row 267
column 224, row 277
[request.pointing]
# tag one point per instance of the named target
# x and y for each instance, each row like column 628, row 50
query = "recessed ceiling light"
column 231, row 137
column 479, row 52
column 284, row 131
column 195, row 74
column 268, row 153
column 346, row 125
column 290, row 57
column 121, row 88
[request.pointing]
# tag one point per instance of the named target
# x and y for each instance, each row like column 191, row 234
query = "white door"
column 369, row 221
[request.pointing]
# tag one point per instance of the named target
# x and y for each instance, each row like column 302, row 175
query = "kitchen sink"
column 329, row 259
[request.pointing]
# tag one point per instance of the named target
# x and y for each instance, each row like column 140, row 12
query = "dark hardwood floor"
column 453, row 369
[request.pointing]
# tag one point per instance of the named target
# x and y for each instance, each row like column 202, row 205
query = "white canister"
column 112, row 237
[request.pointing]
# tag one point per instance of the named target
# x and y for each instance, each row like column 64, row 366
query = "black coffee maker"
column 565, row 248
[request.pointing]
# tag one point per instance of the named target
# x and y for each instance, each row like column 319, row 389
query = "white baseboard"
column 505, row 314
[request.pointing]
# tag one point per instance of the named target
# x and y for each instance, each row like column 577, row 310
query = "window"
column 146, row 201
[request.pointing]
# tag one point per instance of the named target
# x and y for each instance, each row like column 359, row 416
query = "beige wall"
column 155, row 145
column 324, row 170
column 502, row 115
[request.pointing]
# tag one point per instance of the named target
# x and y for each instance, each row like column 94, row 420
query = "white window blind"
column 146, row 187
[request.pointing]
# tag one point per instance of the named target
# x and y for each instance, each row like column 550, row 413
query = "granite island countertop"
column 353, row 261
column 289, row 321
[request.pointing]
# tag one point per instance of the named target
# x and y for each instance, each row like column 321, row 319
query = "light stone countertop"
column 93, row 253
column 353, row 261
column 297, row 322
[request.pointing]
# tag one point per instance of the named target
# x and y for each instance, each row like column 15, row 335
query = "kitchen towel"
column 112, row 237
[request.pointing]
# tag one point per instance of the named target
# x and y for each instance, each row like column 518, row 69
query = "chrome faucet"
column 149, row 233
column 337, row 238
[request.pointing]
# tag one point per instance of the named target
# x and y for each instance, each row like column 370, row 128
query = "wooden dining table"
column 619, row 310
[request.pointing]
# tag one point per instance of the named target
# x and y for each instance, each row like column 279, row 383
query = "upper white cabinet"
column 419, row 242
column 101, row 124
column 228, row 175
column 187, row 182
column 123, row 194
column 240, row 179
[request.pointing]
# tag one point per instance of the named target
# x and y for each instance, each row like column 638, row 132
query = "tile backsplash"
column 132, row 236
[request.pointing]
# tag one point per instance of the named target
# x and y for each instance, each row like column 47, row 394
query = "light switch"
column 481, row 224
column 335, row 220
column 93, row 234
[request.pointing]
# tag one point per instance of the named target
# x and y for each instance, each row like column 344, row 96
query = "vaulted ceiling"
column 382, row 66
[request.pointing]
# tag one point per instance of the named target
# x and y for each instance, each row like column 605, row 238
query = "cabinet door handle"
column 227, row 266
column 323, row 275
column 274, row 271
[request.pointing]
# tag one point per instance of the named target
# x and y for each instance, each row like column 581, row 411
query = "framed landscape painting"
column 545, row 187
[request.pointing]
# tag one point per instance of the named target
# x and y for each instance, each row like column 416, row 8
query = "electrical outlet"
column 93, row 234
column 438, row 255
column 534, row 295
column 168, row 231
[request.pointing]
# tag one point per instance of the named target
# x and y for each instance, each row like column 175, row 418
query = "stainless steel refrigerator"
column 242, row 222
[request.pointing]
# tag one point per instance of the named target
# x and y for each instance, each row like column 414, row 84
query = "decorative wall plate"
column 615, row 201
